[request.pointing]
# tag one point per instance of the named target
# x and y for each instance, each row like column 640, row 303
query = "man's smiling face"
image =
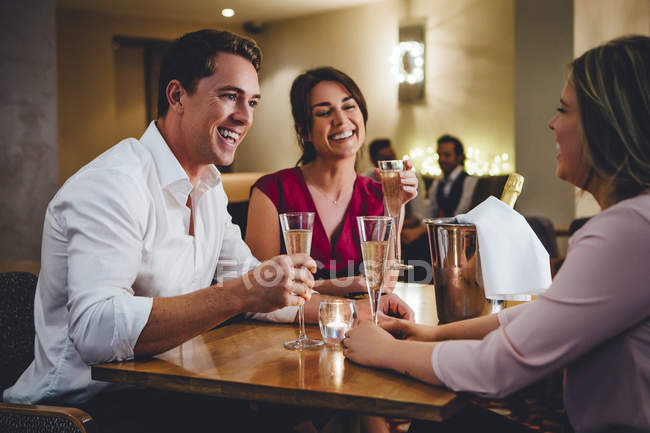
column 218, row 114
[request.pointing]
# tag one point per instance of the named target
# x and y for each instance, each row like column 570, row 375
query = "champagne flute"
column 390, row 182
column 297, row 230
column 374, row 233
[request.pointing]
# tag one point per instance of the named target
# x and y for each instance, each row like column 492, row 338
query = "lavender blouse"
column 594, row 320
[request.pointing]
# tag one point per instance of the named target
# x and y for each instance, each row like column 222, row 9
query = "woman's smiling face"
column 337, row 129
column 571, row 163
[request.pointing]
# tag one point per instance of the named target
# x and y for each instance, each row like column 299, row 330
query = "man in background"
column 450, row 194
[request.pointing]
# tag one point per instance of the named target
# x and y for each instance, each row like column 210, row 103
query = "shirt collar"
column 454, row 174
column 170, row 172
column 209, row 179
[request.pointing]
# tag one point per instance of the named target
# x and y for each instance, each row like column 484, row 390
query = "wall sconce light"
column 408, row 62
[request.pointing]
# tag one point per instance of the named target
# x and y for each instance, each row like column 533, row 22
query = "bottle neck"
column 512, row 189
column 510, row 197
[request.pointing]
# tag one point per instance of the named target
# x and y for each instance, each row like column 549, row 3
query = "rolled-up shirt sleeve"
column 105, row 232
column 600, row 291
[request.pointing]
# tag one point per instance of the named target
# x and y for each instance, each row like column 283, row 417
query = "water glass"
column 336, row 317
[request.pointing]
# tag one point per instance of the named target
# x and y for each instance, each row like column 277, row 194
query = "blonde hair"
column 612, row 83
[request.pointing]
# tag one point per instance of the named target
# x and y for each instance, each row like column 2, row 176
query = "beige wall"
column 469, row 87
column 470, row 63
column 130, row 95
column 597, row 21
column 28, row 149
column 544, row 45
column 89, row 85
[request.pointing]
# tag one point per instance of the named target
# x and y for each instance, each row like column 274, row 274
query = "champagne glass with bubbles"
column 390, row 182
column 374, row 233
column 297, row 229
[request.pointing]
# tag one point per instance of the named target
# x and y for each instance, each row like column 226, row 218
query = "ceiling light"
column 227, row 12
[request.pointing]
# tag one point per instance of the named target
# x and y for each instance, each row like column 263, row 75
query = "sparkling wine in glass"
column 390, row 182
column 297, row 229
column 375, row 233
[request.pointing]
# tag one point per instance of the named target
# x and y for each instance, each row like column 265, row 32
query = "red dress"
column 289, row 193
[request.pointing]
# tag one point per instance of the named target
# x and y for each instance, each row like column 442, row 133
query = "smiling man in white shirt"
column 132, row 240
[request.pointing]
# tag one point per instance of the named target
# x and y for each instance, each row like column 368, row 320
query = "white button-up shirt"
column 115, row 236
column 465, row 201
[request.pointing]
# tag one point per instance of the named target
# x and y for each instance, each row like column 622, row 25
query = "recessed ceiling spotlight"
column 227, row 12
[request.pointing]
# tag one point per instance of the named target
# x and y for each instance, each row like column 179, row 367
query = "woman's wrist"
column 388, row 355
column 434, row 334
column 413, row 358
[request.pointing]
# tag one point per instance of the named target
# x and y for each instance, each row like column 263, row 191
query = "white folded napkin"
column 514, row 263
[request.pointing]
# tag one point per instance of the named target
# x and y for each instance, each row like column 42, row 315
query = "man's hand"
column 279, row 282
column 405, row 330
column 390, row 305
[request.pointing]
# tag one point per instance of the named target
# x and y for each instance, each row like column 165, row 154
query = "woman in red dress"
column 330, row 116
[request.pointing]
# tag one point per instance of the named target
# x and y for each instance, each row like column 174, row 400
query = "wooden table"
column 246, row 360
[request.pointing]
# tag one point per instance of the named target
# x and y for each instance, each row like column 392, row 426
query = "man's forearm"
column 340, row 286
column 174, row 320
column 311, row 307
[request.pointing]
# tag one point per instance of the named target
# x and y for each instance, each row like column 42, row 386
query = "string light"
column 425, row 161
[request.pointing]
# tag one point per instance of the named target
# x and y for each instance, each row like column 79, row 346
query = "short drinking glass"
column 335, row 317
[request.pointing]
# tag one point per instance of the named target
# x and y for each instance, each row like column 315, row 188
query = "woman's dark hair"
column 301, row 103
column 612, row 84
column 191, row 57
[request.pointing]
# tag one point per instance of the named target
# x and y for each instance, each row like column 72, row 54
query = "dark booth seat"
column 17, row 334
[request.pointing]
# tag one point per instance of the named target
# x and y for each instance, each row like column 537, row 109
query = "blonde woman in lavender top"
column 594, row 320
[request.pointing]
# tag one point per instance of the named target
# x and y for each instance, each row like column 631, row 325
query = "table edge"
column 272, row 394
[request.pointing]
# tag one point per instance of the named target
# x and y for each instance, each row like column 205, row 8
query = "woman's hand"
column 390, row 305
column 407, row 330
column 367, row 344
column 390, row 280
column 409, row 182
